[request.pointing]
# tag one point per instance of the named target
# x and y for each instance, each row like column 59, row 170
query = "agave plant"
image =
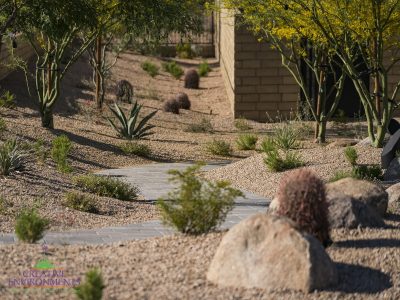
column 11, row 157
column 130, row 127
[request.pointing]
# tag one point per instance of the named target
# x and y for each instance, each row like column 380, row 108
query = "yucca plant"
column 131, row 128
column 11, row 157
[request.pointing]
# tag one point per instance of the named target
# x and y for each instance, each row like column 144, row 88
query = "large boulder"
column 392, row 172
column 394, row 197
column 361, row 190
column 268, row 252
column 346, row 212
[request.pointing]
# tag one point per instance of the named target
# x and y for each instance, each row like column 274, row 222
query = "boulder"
column 361, row 190
column 273, row 206
column 268, row 252
column 342, row 143
column 389, row 151
column 394, row 196
column 367, row 141
column 392, row 172
column 346, row 212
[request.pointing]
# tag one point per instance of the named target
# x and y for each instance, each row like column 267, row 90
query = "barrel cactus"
column 301, row 198
column 171, row 106
column 124, row 91
column 192, row 79
column 183, row 100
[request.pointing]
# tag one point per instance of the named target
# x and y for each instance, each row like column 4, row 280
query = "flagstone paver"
column 153, row 183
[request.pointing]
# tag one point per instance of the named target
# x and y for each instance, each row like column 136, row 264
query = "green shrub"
column 40, row 150
column 373, row 172
column 286, row 138
column 7, row 99
column 11, row 157
column 247, row 142
column 242, row 124
column 219, row 147
column 204, row 126
column 130, row 128
column 276, row 163
column 81, row 202
column 3, row 125
column 268, row 144
column 30, row 226
column 184, row 50
column 204, row 69
column 61, row 147
column 351, row 155
column 197, row 206
column 174, row 69
column 92, row 288
column 150, row 68
column 106, row 187
column 134, row 148
column 340, row 175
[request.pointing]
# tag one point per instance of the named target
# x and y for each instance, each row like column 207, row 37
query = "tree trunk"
column 47, row 118
column 99, row 100
column 321, row 138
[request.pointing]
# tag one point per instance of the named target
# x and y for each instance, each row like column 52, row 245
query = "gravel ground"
column 175, row 267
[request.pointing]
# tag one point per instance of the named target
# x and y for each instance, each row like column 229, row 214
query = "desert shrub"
column 130, row 127
column 219, row 147
column 174, row 69
column 247, row 142
column 30, row 226
column 340, row 175
column 40, row 150
column 12, row 157
column 278, row 163
column 204, row 126
column 81, row 202
column 192, row 79
column 184, row 50
column 124, row 91
column 197, row 206
column 268, row 144
column 107, row 187
column 7, row 99
column 373, row 172
column 3, row 125
column 301, row 198
column 204, row 69
column 351, row 155
column 183, row 101
column 92, row 288
column 171, row 106
column 242, row 124
column 150, row 68
column 61, row 148
column 134, row 148
column 286, row 137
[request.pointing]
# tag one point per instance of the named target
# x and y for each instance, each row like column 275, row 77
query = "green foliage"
column 278, row 163
column 204, row 69
column 373, row 172
column 184, row 50
column 61, row 148
column 30, row 226
column 242, row 124
column 151, row 68
column 106, row 187
column 247, row 142
column 92, row 288
column 7, row 99
column 340, row 175
column 40, row 150
column 301, row 198
column 11, row 157
column 134, row 148
column 174, row 69
column 81, row 202
column 268, row 145
column 204, row 126
column 130, row 127
column 197, row 206
column 351, row 155
column 286, row 137
column 219, row 147
column 3, row 125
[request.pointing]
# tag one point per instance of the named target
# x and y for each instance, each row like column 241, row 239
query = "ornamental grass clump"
column 174, row 69
column 61, row 148
column 219, row 147
column 247, row 142
column 106, row 187
column 30, row 227
column 286, row 138
column 204, row 126
column 204, row 69
column 301, row 198
column 134, row 148
column 150, row 68
column 12, row 157
column 81, row 202
column 197, row 206
column 92, row 288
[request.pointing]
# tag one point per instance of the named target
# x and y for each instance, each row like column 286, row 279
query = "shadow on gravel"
column 370, row 243
column 358, row 279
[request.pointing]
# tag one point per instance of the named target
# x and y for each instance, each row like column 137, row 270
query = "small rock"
column 360, row 190
column 394, row 196
column 268, row 252
column 342, row 143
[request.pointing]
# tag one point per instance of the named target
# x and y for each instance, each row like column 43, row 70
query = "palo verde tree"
column 369, row 29
column 123, row 23
column 52, row 28
column 281, row 27
column 8, row 14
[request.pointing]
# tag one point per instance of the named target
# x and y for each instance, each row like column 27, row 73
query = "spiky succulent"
column 130, row 127
column 11, row 157
column 192, row 79
column 301, row 198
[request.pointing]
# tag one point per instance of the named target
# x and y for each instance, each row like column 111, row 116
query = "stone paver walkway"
column 152, row 181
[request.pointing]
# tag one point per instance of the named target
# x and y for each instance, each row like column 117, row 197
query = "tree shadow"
column 359, row 279
column 370, row 243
